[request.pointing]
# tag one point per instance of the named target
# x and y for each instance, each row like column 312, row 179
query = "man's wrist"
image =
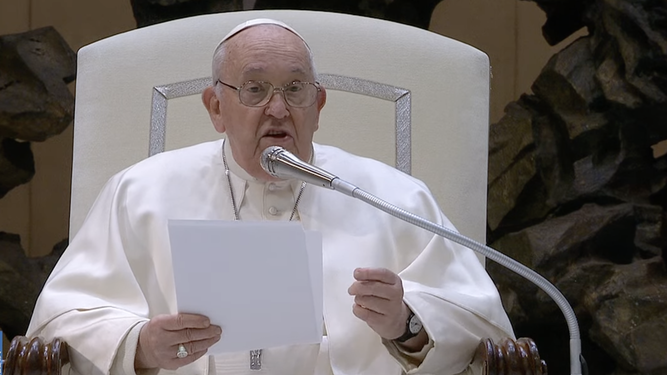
column 413, row 327
column 141, row 360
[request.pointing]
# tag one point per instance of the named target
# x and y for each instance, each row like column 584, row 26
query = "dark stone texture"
column 17, row 165
column 150, row 12
column 511, row 143
column 567, row 84
column 640, row 29
column 564, row 17
column 415, row 13
column 588, row 205
column 21, row 280
column 35, row 102
column 630, row 315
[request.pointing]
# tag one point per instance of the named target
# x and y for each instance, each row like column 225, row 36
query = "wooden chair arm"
column 35, row 357
column 508, row 357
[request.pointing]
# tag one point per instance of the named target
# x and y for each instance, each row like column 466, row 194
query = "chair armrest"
column 508, row 357
column 35, row 357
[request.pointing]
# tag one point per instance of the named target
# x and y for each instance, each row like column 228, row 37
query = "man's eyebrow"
column 252, row 69
column 298, row 70
column 258, row 69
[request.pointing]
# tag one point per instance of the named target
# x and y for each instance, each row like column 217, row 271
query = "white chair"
column 399, row 94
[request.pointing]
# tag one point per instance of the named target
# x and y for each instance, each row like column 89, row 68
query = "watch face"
column 415, row 325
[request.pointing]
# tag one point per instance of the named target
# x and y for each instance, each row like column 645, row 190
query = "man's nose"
column 277, row 106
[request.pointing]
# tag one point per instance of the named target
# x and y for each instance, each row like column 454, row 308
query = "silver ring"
column 181, row 353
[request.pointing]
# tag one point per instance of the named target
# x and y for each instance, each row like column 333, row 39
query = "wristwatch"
column 412, row 328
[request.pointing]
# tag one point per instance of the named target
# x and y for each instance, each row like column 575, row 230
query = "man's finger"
column 183, row 321
column 376, row 289
column 193, row 357
column 195, row 347
column 375, row 304
column 382, row 275
column 370, row 317
column 189, row 335
column 203, row 345
column 175, row 363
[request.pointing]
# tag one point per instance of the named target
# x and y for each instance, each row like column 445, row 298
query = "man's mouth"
column 276, row 134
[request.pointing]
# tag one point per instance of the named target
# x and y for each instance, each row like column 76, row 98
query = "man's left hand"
column 378, row 301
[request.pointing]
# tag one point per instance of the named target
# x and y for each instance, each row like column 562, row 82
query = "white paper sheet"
column 260, row 281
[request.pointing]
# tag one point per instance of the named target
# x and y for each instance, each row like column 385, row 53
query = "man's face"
column 272, row 54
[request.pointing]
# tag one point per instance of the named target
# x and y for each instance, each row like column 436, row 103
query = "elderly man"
column 397, row 298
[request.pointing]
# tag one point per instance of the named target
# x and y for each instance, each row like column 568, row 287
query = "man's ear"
column 321, row 98
column 321, row 101
column 212, row 104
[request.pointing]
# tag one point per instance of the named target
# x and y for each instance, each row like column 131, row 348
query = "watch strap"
column 407, row 335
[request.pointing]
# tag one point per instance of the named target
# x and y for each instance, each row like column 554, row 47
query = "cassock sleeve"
column 92, row 298
column 449, row 290
column 408, row 360
column 445, row 284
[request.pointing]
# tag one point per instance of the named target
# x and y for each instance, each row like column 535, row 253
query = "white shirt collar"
column 236, row 169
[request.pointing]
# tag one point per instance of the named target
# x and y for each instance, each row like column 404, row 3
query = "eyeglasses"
column 258, row 93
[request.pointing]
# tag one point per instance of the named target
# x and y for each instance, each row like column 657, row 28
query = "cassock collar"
column 236, row 169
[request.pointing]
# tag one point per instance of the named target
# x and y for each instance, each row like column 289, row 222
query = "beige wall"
column 507, row 30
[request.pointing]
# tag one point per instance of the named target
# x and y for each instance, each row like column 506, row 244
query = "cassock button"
column 273, row 210
column 272, row 187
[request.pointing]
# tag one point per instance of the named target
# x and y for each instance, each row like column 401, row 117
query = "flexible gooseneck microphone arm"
column 280, row 163
column 571, row 319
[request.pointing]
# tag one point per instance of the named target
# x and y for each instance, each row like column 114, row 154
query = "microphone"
column 280, row 163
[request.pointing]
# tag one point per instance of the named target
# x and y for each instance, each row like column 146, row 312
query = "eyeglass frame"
column 281, row 89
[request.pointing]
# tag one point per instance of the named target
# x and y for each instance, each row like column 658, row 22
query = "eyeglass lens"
column 297, row 94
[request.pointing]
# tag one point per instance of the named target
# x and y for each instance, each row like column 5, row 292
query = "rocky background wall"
column 35, row 104
column 576, row 192
column 575, row 188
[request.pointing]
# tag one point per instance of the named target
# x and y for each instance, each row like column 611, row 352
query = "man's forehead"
column 260, row 21
column 255, row 68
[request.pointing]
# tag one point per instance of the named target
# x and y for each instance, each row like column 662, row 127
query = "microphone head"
column 269, row 155
column 282, row 164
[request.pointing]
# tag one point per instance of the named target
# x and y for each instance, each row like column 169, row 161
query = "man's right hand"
column 160, row 337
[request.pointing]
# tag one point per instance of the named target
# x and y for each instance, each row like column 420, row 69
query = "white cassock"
column 116, row 273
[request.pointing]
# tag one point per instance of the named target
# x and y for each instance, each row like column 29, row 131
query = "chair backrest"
column 405, row 96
